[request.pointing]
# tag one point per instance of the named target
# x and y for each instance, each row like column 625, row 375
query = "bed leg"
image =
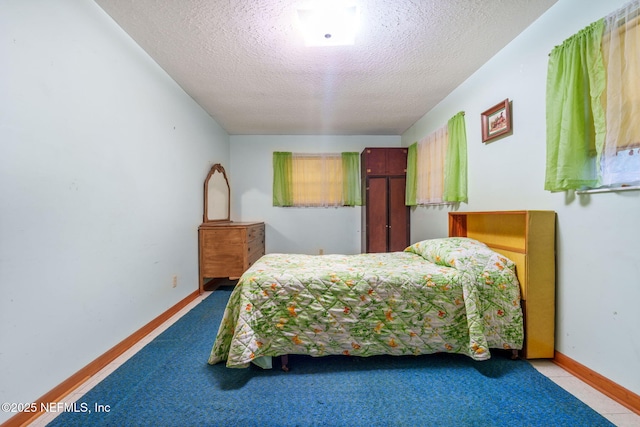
column 515, row 354
column 285, row 361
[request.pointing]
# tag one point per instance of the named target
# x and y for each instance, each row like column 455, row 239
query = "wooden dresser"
column 528, row 239
column 228, row 249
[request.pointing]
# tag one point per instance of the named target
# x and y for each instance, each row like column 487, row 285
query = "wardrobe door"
column 377, row 201
column 398, row 215
column 396, row 162
column 375, row 161
column 385, row 216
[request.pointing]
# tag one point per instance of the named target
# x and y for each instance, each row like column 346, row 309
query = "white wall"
column 598, row 262
column 294, row 230
column 102, row 161
column 102, row 158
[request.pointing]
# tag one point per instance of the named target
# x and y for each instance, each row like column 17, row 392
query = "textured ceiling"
column 246, row 64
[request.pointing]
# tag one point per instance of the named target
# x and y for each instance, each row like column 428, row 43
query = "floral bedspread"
column 443, row 295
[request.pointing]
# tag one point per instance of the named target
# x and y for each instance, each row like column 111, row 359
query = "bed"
column 451, row 295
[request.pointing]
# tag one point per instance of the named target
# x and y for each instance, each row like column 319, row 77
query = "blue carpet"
column 169, row 383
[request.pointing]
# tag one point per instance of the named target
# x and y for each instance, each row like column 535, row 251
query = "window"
column 593, row 100
column 437, row 166
column 431, row 155
column 621, row 55
column 316, row 180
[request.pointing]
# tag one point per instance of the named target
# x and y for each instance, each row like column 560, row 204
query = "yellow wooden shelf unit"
column 528, row 239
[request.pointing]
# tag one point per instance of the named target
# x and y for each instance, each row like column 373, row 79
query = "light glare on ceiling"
column 329, row 24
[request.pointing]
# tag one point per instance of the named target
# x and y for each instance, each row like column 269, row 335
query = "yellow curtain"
column 432, row 152
column 621, row 55
column 317, row 179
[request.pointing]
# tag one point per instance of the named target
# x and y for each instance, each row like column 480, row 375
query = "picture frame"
column 496, row 121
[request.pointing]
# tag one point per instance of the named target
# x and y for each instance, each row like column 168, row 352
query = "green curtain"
column 575, row 117
column 455, row 166
column 351, row 179
column 282, row 177
column 412, row 175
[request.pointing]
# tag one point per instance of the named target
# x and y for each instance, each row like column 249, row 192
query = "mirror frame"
column 217, row 168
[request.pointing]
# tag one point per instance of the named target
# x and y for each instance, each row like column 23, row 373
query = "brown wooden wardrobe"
column 385, row 217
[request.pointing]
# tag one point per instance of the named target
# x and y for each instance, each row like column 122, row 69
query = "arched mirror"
column 217, row 195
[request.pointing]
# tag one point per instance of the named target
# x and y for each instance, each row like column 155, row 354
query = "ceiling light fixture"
column 329, row 23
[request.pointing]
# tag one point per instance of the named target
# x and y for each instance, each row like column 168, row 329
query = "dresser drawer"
column 217, row 237
column 255, row 250
column 222, row 264
column 255, row 233
column 228, row 249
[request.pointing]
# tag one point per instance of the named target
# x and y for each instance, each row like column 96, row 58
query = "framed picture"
column 496, row 121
